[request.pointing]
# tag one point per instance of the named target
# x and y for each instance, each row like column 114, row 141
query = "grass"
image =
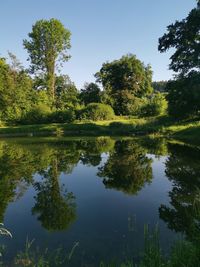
column 155, row 126
column 183, row 254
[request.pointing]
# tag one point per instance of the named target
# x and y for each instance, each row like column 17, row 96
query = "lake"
column 92, row 197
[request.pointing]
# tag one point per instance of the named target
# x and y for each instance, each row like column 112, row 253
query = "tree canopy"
column 16, row 94
column 125, row 79
column 48, row 46
column 90, row 93
column 184, row 36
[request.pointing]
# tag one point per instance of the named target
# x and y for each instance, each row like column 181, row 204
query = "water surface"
column 98, row 194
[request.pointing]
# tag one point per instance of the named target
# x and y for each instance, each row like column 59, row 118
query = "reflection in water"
column 91, row 151
column 183, row 169
column 56, row 208
column 127, row 169
column 15, row 173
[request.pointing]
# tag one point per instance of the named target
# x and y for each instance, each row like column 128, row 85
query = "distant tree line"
column 123, row 87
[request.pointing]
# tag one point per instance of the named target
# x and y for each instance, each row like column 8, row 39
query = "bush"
column 96, row 111
column 62, row 116
column 11, row 115
column 155, row 106
column 38, row 114
column 135, row 106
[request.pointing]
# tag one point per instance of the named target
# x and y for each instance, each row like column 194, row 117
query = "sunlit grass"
column 126, row 126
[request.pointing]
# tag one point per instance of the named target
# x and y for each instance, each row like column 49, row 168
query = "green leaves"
column 48, row 48
column 184, row 36
column 125, row 79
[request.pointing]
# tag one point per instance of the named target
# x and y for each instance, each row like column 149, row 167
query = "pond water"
column 93, row 196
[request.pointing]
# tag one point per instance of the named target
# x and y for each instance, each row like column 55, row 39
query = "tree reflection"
column 155, row 146
column 56, row 207
column 183, row 169
column 20, row 160
column 92, row 151
column 127, row 169
column 15, row 174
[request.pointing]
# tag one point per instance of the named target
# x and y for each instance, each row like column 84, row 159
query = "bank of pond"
column 86, row 201
column 161, row 126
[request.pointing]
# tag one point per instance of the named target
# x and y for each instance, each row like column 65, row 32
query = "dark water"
column 92, row 197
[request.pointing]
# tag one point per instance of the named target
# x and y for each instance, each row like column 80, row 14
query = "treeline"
column 41, row 95
column 126, row 91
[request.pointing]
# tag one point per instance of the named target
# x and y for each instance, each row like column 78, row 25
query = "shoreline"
column 154, row 127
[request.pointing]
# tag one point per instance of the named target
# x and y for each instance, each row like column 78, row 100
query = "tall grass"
column 183, row 254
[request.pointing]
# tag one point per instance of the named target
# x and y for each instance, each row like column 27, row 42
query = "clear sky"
column 102, row 30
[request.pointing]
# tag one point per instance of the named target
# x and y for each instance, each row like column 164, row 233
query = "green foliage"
column 97, row 111
column 91, row 93
column 128, row 103
column 67, row 96
column 124, row 79
column 155, row 106
column 62, row 116
column 38, row 114
column 49, row 43
column 184, row 95
column 31, row 257
column 184, row 36
column 16, row 93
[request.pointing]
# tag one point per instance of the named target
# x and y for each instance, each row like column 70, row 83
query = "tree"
column 184, row 95
column 125, row 79
column 16, row 92
column 91, row 93
column 48, row 45
column 66, row 93
column 184, row 36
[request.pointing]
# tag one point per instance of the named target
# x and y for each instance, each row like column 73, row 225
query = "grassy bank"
column 157, row 126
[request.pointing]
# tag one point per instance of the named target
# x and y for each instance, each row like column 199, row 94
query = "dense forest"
column 123, row 87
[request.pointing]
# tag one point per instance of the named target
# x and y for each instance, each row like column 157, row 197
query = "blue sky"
column 102, row 30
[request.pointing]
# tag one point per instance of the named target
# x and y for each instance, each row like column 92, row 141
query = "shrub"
column 62, row 116
column 134, row 105
column 38, row 114
column 96, row 111
column 11, row 115
column 155, row 106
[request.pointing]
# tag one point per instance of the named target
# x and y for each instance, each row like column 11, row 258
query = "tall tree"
column 48, row 45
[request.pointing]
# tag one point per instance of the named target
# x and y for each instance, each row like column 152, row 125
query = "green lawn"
column 156, row 126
